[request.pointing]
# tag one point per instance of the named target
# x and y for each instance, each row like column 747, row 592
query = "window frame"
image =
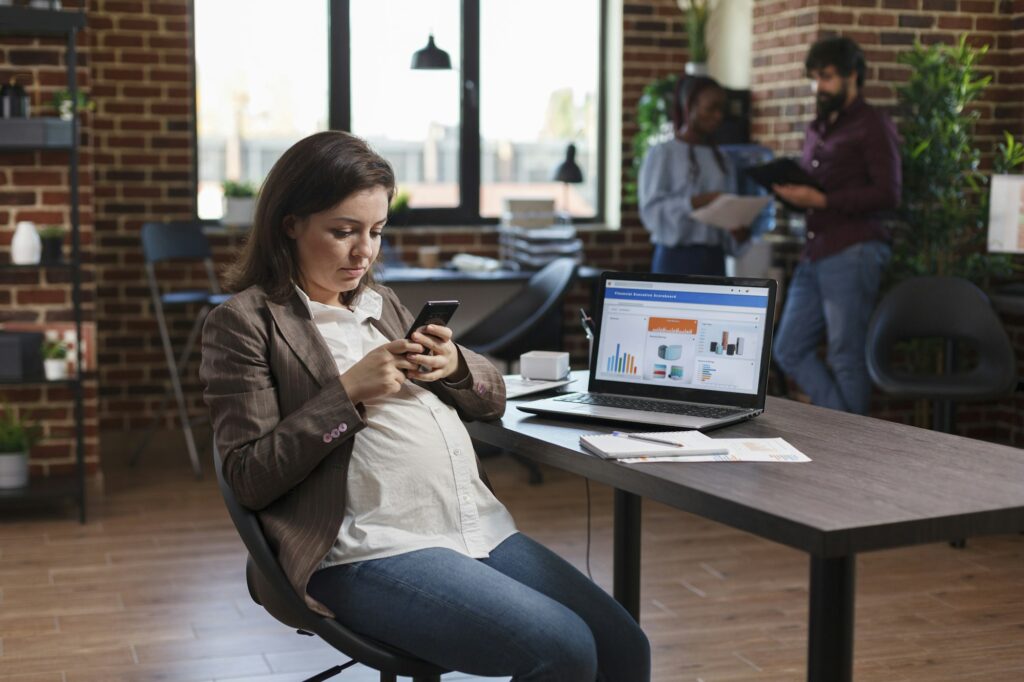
column 470, row 147
column 339, row 98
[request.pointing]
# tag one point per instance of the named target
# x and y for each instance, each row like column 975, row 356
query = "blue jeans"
column 688, row 260
column 834, row 297
column 523, row 612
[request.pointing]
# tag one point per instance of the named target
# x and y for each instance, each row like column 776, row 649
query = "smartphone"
column 433, row 312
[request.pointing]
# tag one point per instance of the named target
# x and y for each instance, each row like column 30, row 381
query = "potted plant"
column 62, row 103
column 239, row 203
column 16, row 439
column 55, row 359
column 52, row 238
column 944, row 210
column 698, row 13
column 398, row 212
column 654, row 125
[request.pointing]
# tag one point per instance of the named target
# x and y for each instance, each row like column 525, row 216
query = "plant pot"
column 238, row 211
column 53, row 250
column 13, row 470
column 697, row 69
column 56, row 370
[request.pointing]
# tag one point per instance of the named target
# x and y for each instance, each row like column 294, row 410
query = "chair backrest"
column 517, row 317
column 269, row 586
column 946, row 308
column 174, row 241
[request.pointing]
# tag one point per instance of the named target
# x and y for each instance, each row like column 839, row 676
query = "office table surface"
column 392, row 275
column 871, row 485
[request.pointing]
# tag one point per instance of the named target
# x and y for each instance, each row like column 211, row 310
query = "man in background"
column 851, row 151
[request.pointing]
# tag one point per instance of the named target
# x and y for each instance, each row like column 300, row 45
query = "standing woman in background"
column 686, row 173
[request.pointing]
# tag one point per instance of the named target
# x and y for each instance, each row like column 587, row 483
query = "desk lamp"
column 568, row 172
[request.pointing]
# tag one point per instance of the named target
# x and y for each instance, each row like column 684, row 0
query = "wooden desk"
column 872, row 485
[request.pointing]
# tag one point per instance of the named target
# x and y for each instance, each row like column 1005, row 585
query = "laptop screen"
column 705, row 335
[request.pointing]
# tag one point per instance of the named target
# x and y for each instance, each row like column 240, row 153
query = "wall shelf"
column 49, row 134
column 26, row 21
column 26, row 134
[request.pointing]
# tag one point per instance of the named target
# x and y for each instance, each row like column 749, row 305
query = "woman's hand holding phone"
column 441, row 358
column 382, row 371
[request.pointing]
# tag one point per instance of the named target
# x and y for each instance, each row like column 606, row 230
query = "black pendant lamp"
column 568, row 171
column 431, row 57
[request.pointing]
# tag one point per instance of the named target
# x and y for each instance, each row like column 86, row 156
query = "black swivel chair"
column 955, row 311
column 532, row 320
column 180, row 242
column 279, row 599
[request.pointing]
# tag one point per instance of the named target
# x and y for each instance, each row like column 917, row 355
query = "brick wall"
column 142, row 78
column 35, row 186
column 139, row 71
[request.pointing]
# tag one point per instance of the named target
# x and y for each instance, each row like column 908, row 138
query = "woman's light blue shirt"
column 665, row 189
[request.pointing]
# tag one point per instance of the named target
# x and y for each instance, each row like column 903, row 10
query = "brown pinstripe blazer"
column 284, row 425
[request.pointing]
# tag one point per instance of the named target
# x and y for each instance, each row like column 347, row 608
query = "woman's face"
column 337, row 246
column 708, row 111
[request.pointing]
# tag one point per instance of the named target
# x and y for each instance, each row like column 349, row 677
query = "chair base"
column 384, row 677
column 330, row 672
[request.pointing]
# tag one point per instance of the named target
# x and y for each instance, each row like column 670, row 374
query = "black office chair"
column 279, row 599
column 532, row 320
column 955, row 311
column 178, row 241
column 952, row 310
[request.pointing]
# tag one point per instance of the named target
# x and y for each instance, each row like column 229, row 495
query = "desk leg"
column 626, row 566
column 830, row 632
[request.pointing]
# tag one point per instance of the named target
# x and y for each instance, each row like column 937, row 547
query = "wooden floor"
column 152, row 588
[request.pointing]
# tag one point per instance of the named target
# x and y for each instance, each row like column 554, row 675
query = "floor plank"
column 153, row 589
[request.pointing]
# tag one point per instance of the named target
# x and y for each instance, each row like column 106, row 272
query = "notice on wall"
column 1006, row 214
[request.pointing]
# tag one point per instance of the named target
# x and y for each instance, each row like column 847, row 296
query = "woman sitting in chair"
column 348, row 440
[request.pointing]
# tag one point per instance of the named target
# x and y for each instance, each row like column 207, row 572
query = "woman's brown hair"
column 315, row 174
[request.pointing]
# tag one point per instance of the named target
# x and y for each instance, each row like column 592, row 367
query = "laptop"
column 677, row 351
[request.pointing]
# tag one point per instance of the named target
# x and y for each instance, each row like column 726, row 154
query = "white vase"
column 56, row 370
column 238, row 211
column 13, row 470
column 26, row 246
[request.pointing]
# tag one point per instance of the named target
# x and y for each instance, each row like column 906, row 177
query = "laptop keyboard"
column 627, row 403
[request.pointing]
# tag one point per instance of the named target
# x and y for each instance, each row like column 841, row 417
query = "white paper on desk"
column 731, row 211
column 516, row 385
column 740, row 450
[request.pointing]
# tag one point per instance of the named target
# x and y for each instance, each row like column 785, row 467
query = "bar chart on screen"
column 622, row 362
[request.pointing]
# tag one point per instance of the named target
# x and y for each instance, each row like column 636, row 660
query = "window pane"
column 539, row 76
column 253, row 101
column 410, row 117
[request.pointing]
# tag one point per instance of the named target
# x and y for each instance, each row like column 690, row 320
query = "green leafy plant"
column 697, row 12
column 399, row 203
column 54, row 350
column 945, row 202
column 62, row 101
column 16, row 435
column 238, row 190
column 51, row 232
column 654, row 125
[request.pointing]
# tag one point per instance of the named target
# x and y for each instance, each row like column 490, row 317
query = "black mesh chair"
column 532, row 320
column 269, row 587
column 178, row 241
column 957, row 312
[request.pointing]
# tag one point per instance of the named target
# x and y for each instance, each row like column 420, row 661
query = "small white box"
column 544, row 364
